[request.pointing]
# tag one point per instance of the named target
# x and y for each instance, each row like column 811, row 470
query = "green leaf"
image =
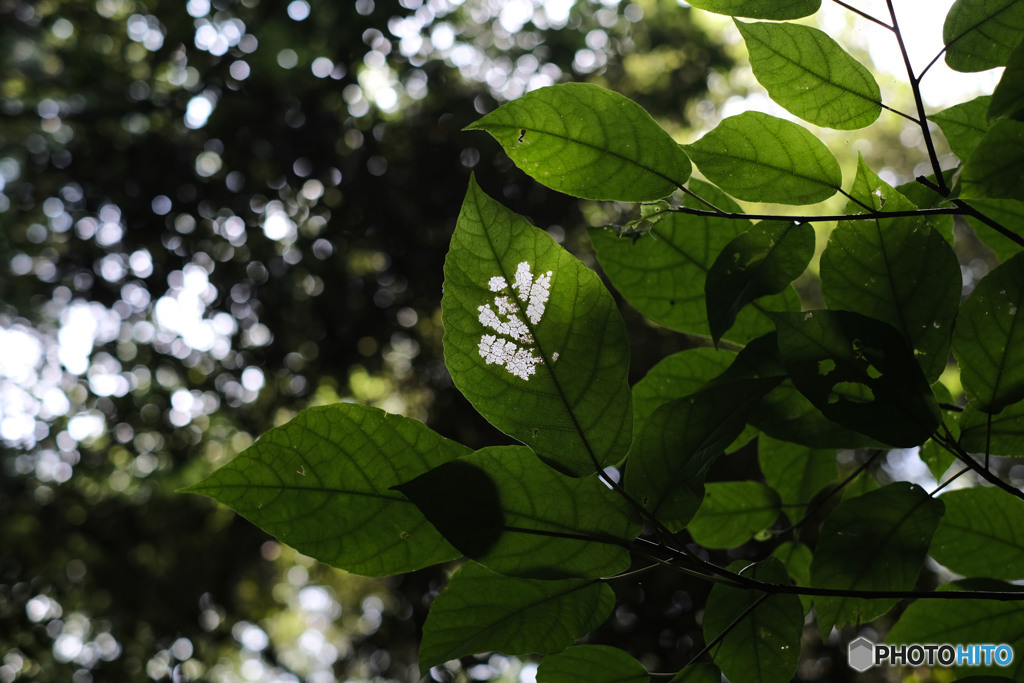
column 967, row 622
column 1007, row 433
column 796, row 472
column 897, row 270
column 669, row 459
column 591, row 663
column 811, row 76
column 760, row 9
column 937, row 458
column 662, row 274
column 487, row 505
column 698, row 672
column 858, row 372
column 996, row 167
column 785, row 413
column 588, row 142
column 925, row 198
column 761, row 158
column 554, row 376
column 765, row 646
column 796, row 557
column 321, row 483
column 874, row 542
column 989, row 338
column 964, row 125
column 733, row 512
column 480, row 611
column 1008, row 213
column 761, row 261
column 981, row 34
column 675, row 376
column 1008, row 97
column 981, row 534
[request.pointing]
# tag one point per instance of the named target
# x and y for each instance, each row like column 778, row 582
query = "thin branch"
column 949, row 481
column 839, row 487
column 733, row 624
column 905, row 115
column 864, row 14
column 948, row 442
column 915, row 85
column 873, row 215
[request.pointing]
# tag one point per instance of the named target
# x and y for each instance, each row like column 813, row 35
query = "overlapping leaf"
column 1008, row 213
column 761, row 261
column 761, row 9
column 981, row 34
column 588, row 142
column 591, row 663
column 795, row 472
column 1000, row 434
column 765, row 646
column 860, row 373
column 321, row 483
column 809, row 74
column 995, row 168
column 874, row 542
column 970, row 621
column 480, row 611
column 663, row 273
column 897, row 270
column 670, row 456
column 761, row 158
column 733, row 512
column 964, row 125
column 1008, row 97
column 989, row 338
column 545, row 362
column 981, row 534
column 509, row 511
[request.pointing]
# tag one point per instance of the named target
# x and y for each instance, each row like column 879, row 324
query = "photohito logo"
column 864, row 654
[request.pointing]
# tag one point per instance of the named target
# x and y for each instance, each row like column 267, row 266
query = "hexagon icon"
column 861, row 654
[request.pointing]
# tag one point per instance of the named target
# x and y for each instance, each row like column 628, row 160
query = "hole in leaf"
column 854, row 392
column 826, row 366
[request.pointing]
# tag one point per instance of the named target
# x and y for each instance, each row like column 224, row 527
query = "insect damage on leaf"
column 513, row 350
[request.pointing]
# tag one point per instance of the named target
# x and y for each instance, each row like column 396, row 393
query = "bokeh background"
column 215, row 213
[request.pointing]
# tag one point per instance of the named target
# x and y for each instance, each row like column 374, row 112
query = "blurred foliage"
column 213, row 214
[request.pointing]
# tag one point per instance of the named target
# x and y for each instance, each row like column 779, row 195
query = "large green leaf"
column 509, row 511
column 552, row 376
column 996, row 167
column 981, row 534
column 662, row 274
column 761, row 158
column 675, row 376
column 964, row 125
column 733, row 512
column 1008, row 97
column 1007, row 212
column 898, row 270
column 796, row 472
column 860, row 373
column 967, row 622
column 591, row 663
column 874, row 542
column 761, row 261
column 480, row 611
column 989, row 338
column 765, row 646
column 669, row 458
column 981, row 34
column 588, row 142
column 809, row 74
column 321, row 483
column 1006, row 436
column 760, row 9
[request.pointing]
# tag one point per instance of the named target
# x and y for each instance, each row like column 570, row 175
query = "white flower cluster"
column 516, row 353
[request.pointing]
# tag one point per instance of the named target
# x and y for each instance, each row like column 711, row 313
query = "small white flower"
column 508, row 321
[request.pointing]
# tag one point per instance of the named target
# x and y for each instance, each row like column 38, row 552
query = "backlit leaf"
column 1007, row 212
column 874, row 542
column 765, row 646
column 1008, row 97
column 964, row 125
column 591, row 663
column 898, row 270
column 588, row 142
column 322, row 484
column 809, row 74
column 796, row 472
column 1007, row 430
column 760, row 158
column 981, row 34
column 553, row 375
column 480, row 611
column 989, row 338
column 996, row 167
column 510, row 512
column 760, row 9
column 733, row 512
column 981, row 534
